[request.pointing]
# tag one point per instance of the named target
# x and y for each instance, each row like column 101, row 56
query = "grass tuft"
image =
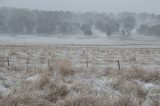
column 65, row 68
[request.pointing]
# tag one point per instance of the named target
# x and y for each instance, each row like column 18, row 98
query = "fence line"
column 42, row 60
column 120, row 63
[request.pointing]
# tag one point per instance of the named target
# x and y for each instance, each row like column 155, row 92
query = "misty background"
column 149, row 6
column 80, row 17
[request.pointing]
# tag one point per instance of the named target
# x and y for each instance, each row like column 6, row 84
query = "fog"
column 149, row 6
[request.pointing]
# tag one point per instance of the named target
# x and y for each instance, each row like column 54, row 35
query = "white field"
column 85, row 66
column 98, row 39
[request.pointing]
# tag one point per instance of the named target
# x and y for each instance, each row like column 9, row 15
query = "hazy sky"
column 150, row 6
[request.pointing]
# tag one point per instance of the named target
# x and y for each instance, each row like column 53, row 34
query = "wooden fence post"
column 27, row 62
column 42, row 59
column 49, row 65
column 87, row 63
column 119, row 66
column 8, row 61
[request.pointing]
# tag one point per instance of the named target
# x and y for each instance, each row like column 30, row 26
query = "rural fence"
column 118, row 64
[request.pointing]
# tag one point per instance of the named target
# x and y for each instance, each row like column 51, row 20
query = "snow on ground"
column 146, row 86
column 99, row 39
column 34, row 78
column 100, row 52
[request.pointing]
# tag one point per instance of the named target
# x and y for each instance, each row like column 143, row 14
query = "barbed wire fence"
column 118, row 64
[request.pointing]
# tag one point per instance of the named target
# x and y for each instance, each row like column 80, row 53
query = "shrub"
column 152, row 77
column 128, row 88
column 65, row 68
column 87, row 101
column 134, row 73
column 56, row 92
column 111, row 72
column 23, row 100
column 124, row 101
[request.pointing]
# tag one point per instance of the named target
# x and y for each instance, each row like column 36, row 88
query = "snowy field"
column 98, row 39
column 64, row 71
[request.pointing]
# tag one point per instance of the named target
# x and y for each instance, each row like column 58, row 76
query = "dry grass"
column 111, row 72
column 98, row 101
column 38, row 84
column 154, row 104
column 27, row 100
column 13, row 68
column 82, row 88
column 23, row 100
column 152, row 77
column 53, row 90
column 56, row 92
column 134, row 73
column 39, row 79
column 41, row 91
column 141, row 74
column 65, row 68
column 59, row 84
column 123, row 101
column 39, row 69
column 87, row 101
column 44, row 81
column 129, row 88
column 154, row 97
column 13, row 52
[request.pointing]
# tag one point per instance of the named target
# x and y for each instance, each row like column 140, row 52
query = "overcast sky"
column 150, row 6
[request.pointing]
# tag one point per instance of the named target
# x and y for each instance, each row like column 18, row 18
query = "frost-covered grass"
column 79, row 76
column 80, row 39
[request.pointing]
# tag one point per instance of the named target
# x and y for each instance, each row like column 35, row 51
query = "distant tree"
column 128, row 24
column 26, row 21
column 76, row 27
column 86, row 29
column 155, row 30
column 152, row 30
column 109, row 26
column 66, row 28
column 143, row 29
column 3, row 25
column 15, row 24
column 158, row 19
column 20, row 21
column 100, row 26
column 143, row 16
column 108, row 29
column 45, row 24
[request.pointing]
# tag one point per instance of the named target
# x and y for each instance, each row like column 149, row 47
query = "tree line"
column 26, row 21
